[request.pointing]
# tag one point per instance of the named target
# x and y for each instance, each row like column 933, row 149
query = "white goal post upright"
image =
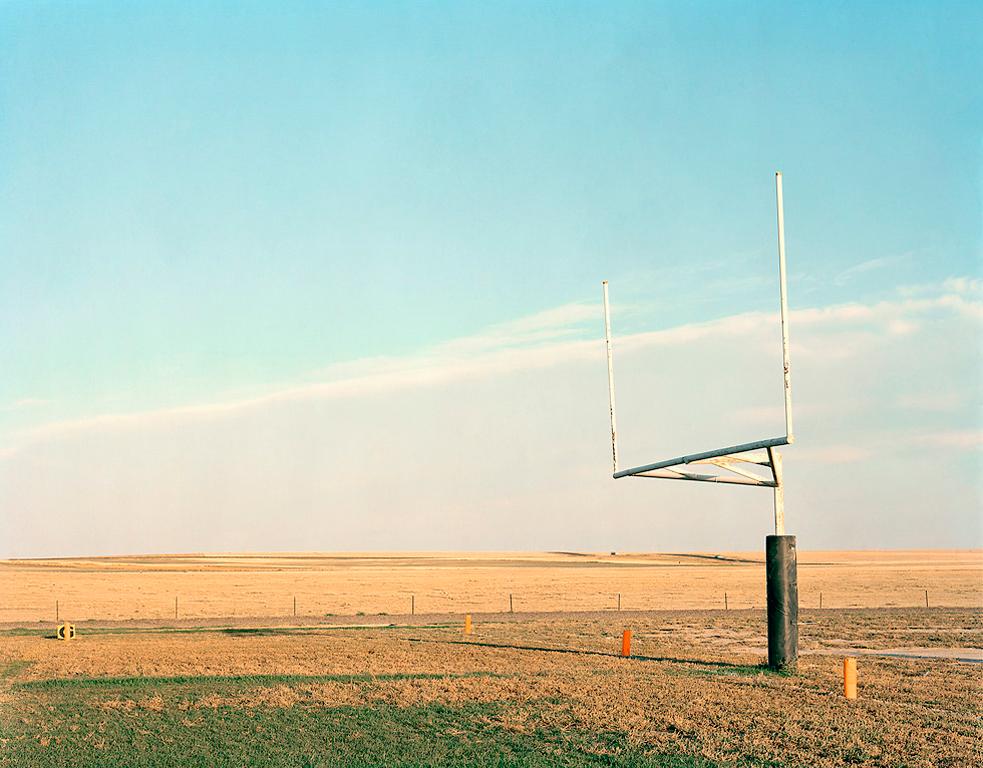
column 776, row 459
column 607, row 339
column 738, row 461
column 783, row 283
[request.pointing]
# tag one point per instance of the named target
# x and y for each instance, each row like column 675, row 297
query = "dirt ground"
column 436, row 644
column 692, row 686
column 547, row 675
column 145, row 587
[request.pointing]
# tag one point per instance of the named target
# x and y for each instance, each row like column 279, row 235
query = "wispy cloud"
column 964, row 285
column 473, row 435
column 843, row 453
column 562, row 334
column 25, row 403
column 950, row 438
column 548, row 326
column 934, row 401
column 863, row 267
column 888, row 444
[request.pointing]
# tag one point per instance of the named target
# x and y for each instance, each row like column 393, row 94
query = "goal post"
column 742, row 464
column 734, row 458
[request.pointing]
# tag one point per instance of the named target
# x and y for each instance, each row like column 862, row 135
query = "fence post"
column 56, row 611
column 295, row 606
column 412, row 605
column 926, row 598
column 619, row 601
column 820, row 599
column 726, row 607
column 510, row 603
column 175, row 606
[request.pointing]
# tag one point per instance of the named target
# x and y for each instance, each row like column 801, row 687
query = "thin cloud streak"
column 25, row 403
column 883, row 445
column 537, row 341
column 870, row 265
column 478, row 446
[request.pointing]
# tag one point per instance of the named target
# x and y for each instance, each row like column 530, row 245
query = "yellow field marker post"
column 467, row 623
column 850, row 677
column 626, row 643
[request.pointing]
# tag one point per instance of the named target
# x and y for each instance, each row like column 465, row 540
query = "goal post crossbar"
column 730, row 458
column 696, row 458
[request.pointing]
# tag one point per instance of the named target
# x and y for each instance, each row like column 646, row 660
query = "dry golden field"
column 220, row 586
column 538, row 691
column 238, row 680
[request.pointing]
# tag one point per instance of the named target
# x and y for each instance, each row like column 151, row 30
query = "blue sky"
column 211, row 202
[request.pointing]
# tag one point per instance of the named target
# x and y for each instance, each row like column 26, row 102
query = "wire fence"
column 253, row 605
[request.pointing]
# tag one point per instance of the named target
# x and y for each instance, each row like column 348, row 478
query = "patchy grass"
column 732, row 670
column 12, row 668
column 225, row 680
column 182, row 725
column 536, row 692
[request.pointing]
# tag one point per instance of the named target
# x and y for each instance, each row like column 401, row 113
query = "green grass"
column 386, row 735
column 713, row 669
column 238, row 681
column 63, row 723
column 11, row 668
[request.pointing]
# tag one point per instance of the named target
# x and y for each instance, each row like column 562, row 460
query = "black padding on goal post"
column 783, row 603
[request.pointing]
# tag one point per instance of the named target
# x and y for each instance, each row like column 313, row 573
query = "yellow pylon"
column 65, row 631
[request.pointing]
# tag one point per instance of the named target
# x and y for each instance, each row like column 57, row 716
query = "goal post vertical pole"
column 776, row 464
column 607, row 342
column 781, row 561
column 784, row 307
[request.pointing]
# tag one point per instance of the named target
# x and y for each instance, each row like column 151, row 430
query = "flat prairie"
column 522, row 690
column 238, row 680
column 144, row 588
